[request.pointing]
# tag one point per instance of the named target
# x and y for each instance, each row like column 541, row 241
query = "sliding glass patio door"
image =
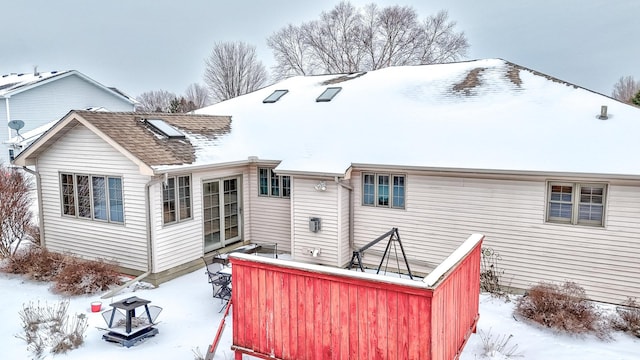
column 221, row 217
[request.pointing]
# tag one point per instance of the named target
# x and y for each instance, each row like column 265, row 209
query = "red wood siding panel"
column 455, row 307
column 282, row 312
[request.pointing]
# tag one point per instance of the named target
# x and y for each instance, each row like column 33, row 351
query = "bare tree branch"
column 625, row 89
column 15, row 213
column 347, row 39
column 155, row 101
column 198, row 95
column 233, row 69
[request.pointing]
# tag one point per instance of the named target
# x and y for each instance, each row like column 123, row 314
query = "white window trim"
column 280, row 184
column 176, row 197
column 575, row 203
column 76, row 203
column 375, row 190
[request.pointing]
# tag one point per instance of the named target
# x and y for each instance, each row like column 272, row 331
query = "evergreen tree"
column 636, row 99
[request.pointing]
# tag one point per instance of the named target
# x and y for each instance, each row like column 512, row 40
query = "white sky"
column 148, row 45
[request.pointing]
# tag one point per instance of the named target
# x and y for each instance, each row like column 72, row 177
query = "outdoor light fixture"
column 321, row 186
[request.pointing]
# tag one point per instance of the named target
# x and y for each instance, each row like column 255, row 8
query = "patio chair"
column 220, row 283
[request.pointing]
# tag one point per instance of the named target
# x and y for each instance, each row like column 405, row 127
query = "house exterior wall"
column 182, row 242
column 511, row 213
column 83, row 152
column 308, row 202
column 345, row 250
column 51, row 101
column 268, row 219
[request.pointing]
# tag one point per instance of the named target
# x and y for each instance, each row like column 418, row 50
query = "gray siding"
column 442, row 211
column 51, row 101
column 84, row 152
column 268, row 219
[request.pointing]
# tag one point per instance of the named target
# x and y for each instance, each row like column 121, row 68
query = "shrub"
column 562, row 307
column 494, row 345
column 491, row 274
column 36, row 263
column 627, row 317
column 71, row 276
column 79, row 277
column 15, row 213
column 48, row 327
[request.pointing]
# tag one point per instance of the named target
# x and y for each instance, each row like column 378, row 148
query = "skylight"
column 275, row 96
column 165, row 129
column 328, row 94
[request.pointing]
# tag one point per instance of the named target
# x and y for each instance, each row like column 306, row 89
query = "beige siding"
column 85, row 153
column 442, row 211
column 308, row 203
column 182, row 242
column 268, row 219
column 343, row 239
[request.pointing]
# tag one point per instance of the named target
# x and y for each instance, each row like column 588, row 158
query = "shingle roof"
column 18, row 82
column 131, row 132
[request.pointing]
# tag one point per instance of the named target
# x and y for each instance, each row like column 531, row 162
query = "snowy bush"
column 49, row 328
column 561, row 307
column 498, row 344
column 627, row 317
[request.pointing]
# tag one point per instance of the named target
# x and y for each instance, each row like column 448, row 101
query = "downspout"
column 351, row 221
column 39, row 194
column 6, row 101
column 149, row 242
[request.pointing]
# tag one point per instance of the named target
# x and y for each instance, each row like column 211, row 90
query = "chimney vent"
column 603, row 113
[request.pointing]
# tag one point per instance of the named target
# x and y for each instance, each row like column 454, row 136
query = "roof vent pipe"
column 603, row 113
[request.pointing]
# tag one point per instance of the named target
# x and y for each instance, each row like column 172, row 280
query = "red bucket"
column 96, row 306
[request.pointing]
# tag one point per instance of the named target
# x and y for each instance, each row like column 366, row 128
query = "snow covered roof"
column 485, row 114
column 14, row 83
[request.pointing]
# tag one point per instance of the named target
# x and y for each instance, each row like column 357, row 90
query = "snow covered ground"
column 190, row 318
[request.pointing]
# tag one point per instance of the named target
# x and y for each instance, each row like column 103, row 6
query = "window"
column 93, row 197
column 573, row 203
column 383, row 190
column 176, row 199
column 270, row 184
column 165, row 129
column 328, row 94
column 275, row 96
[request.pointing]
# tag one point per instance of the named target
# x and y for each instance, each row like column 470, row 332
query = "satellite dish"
column 16, row 125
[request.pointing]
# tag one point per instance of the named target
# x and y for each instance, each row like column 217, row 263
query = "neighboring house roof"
column 12, row 84
column 133, row 136
column 484, row 114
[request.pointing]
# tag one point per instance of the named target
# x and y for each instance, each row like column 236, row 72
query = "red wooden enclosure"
column 289, row 310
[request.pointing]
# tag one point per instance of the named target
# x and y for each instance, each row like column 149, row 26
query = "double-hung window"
column 95, row 197
column 383, row 190
column 270, row 184
column 576, row 203
column 176, row 199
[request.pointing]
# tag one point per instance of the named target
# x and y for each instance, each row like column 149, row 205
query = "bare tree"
column 181, row 105
column 155, row 101
column 198, row 95
column 15, row 213
column 625, row 89
column 233, row 69
column 347, row 39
